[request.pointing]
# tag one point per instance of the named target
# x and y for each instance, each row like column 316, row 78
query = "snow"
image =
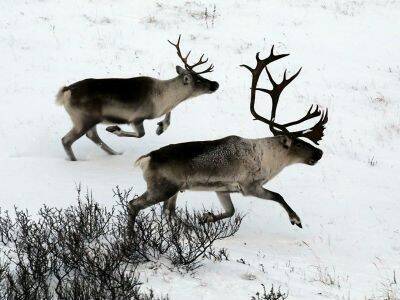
column 349, row 203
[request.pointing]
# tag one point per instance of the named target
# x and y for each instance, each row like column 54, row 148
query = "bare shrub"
column 220, row 255
column 86, row 252
column 272, row 294
column 183, row 239
column 68, row 254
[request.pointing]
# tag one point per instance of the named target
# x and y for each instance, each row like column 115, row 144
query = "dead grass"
column 327, row 277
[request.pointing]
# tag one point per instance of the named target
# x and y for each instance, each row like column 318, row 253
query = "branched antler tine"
column 316, row 132
column 209, row 69
column 263, row 90
column 285, row 81
column 262, row 63
column 309, row 115
column 276, row 92
column 178, row 51
column 258, row 56
column 247, row 67
column 186, row 57
column 177, row 44
column 256, row 72
column 272, row 57
column 201, row 59
column 200, row 62
column 270, row 77
column 324, row 118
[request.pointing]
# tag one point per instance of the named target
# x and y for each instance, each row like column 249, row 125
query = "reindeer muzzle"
column 214, row 86
column 317, row 155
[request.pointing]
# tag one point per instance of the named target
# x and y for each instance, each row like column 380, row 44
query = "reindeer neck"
column 273, row 156
column 173, row 92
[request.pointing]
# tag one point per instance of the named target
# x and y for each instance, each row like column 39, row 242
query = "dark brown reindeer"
column 129, row 101
column 233, row 164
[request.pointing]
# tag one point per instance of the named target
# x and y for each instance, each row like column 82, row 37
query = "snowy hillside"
column 349, row 203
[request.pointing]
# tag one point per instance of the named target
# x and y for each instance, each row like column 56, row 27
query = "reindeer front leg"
column 138, row 127
column 164, row 124
column 258, row 191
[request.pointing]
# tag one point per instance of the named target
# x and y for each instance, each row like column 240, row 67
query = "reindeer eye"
column 298, row 145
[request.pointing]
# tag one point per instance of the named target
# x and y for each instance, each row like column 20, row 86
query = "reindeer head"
column 192, row 78
column 291, row 141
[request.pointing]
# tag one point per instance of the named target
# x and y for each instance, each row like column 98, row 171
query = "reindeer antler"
column 314, row 134
column 256, row 72
column 185, row 58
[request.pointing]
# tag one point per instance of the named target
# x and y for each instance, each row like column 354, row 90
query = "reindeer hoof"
column 295, row 220
column 113, row 129
column 116, row 153
column 160, row 129
column 207, row 218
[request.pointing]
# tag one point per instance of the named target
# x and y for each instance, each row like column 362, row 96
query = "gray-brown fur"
column 229, row 165
column 233, row 164
column 126, row 101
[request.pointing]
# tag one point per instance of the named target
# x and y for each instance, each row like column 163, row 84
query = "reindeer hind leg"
column 169, row 206
column 81, row 124
column 162, row 191
column 94, row 137
column 229, row 209
column 67, row 141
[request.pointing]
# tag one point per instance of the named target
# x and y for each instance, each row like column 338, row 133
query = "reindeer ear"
column 285, row 141
column 180, row 70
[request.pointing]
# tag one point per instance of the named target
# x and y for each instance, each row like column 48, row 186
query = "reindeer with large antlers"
column 232, row 164
column 129, row 101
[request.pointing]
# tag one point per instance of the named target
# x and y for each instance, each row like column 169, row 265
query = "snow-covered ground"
column 349, row 203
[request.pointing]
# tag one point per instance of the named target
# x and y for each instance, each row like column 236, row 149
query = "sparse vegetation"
column 389, row 290
column 327, row 277
column 85, row 250
column 380, row 101
column 242, row 261
column 97, row 21
column 206, row 14
column 151, row 20
column 272, row 294
column 372, row 161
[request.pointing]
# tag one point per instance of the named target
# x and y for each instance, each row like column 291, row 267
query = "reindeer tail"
column 63, row 96
column 143, row 162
